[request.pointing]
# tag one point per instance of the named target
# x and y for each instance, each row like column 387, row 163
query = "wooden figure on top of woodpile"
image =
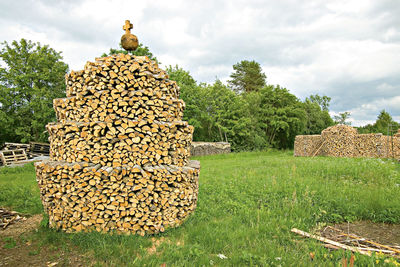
column 129, row 41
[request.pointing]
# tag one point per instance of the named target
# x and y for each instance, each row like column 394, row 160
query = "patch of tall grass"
column 19, row 190
column 248, row 202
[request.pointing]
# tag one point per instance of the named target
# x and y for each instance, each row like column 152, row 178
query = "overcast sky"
column 348, row 50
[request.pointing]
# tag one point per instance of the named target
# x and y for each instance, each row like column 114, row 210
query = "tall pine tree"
column 247, row 77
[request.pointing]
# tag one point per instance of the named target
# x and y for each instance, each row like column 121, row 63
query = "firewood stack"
column 306, row 145
column 119, row 156
column 338, row 141
column 343, row 141
column 396, row 145
column 369, row 145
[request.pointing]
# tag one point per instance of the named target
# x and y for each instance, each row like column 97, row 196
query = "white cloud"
column 368, row 112
column 346, row 49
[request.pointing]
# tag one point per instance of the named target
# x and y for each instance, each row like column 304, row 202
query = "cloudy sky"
column 348, row 50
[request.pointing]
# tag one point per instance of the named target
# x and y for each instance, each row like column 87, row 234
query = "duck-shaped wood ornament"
column 129, row 41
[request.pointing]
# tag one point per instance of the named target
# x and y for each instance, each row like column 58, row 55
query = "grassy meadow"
column 248, row 202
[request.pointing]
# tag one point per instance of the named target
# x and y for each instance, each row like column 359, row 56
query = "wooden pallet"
column 39, row 149
column 13, row 146
column 13, row 156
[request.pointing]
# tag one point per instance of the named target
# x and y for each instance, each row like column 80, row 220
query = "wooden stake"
column 316, row 152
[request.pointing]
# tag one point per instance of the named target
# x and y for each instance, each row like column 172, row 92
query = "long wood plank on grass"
column 328, row 241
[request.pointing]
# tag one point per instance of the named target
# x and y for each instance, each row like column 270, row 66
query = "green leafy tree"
column 215, row 111
column 223, row 109
column 342, row 118
column 268, row 117
column 140, row 51
column 30, row 78
column 369, row 128
column 384, row 124
column 193, row 96
column 322, row 101
column 247, row 77
column 316, row 118
column 282, row 115
column 252, row 126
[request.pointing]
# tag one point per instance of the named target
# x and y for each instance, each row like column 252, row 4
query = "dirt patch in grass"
column 385, row 234
column 18, row 252
column 23, row 226
column 156, row 242
column 17, row 248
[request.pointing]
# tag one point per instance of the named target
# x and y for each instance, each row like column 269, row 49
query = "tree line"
column 384, row 124
column 247, row 112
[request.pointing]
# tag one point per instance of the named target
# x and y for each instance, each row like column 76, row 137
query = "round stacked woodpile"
column 119, row 157
column 338, row 141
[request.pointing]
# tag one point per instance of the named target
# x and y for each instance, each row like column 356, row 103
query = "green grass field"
column 248, row 202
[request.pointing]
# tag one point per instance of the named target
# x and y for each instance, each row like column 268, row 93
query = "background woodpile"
column 344, row 141
column 306, row 145
column 119, row 156
column 209, row 148
column 369, row 145
column 338, row 141
column 396, row 145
